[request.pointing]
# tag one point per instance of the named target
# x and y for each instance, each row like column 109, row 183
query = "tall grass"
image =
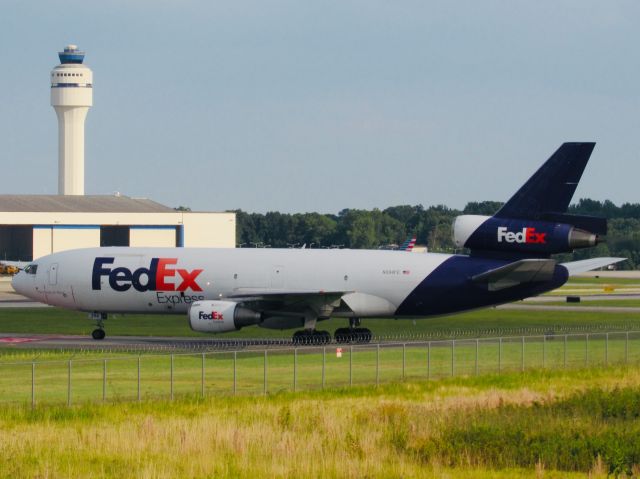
column 551, row 424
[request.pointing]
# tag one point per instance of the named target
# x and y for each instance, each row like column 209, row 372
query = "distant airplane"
column 408, row 244
column 222, row 290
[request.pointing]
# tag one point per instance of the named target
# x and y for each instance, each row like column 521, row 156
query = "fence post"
column 295, row 368
column 202, row 382
column 499, row 355
column 171, row 378
column 324, row 362
column 477, row 347
column 139, row 394
column 265, row 372
column 33, row 384
column 104, row 380
column 351, row 365
column 453, row 355
column 565, row 351
column 235, row 370
column 69, row 385
column 429, row 360
column 626, row 348
column 404, row 358
column 522, row 355
column 586, row 350
column 377, row 364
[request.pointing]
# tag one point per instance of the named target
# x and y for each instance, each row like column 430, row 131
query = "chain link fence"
column 128, row 377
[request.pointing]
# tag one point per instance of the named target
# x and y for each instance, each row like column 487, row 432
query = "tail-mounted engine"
column 536, row 237
column 220, row 316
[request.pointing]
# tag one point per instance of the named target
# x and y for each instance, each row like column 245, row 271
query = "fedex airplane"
column 221, row 290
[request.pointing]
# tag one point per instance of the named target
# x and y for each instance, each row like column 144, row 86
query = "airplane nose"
column 17, row 282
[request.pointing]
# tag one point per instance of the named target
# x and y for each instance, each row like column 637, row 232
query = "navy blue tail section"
column 551, row 188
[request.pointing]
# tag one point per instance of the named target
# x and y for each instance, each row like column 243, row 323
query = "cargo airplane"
column 219, row 290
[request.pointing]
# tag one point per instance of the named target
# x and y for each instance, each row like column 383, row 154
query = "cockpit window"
column 31, row 269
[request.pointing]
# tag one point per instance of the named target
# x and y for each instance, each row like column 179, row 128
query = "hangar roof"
column 80, row 204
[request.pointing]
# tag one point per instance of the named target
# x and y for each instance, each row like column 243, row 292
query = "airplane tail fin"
column 408, row 244
column 551, row 188
column 534, row 222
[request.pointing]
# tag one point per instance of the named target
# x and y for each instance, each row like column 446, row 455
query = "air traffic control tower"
column 71, row 97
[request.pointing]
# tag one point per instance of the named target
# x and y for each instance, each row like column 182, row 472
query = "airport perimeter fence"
column 246, row 372
column 208, row 344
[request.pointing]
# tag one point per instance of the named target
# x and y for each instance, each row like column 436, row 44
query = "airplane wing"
column 577, row 267
column 290, row 302
column 513, row 274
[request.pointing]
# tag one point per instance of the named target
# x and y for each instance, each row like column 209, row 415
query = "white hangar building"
column 36, row 225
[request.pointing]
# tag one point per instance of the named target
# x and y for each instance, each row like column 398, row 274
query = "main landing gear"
column 99, row 318
column 353, row 334
column 311, row 337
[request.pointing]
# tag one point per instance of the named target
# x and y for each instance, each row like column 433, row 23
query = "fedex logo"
column 215, row 316
column 159, row 276
column 527, row 235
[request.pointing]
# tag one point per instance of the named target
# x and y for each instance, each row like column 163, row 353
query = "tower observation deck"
column 71, row 97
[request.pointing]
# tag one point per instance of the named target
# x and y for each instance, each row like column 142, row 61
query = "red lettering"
column 530, row 232
column 163, row 272
column 533, row 237
column 189, row 279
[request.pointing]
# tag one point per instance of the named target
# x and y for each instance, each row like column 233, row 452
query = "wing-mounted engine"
column 221, row 316
column 528, row 237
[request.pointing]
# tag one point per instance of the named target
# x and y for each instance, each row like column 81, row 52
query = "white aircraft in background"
column 222, row 290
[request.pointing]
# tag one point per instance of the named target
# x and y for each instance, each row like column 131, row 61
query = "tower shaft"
column 71, row 149
column 71, row 97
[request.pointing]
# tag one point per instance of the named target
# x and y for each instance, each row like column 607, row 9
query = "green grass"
column 482, row 322
column 95, row 377
column 554, row 424
column 613, row 303
column 602, row 281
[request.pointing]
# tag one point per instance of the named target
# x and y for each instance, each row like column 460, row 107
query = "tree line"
column 372, row 229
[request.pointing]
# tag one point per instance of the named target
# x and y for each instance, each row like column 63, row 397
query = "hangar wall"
column 201, row 229
column 152, row 236
column 36, row 225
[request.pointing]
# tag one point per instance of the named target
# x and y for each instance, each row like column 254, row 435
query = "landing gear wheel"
column 99, row 318
column 98, row 334
column 323, row 337
column 342, row 335
column 353, row 335
column 311, row 337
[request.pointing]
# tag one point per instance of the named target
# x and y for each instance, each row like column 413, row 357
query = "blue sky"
column 318, row 106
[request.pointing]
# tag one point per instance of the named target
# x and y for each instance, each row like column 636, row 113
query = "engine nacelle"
column 220, row 316
column 488, row 233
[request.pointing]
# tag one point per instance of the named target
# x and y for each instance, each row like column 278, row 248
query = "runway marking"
column 20, row 340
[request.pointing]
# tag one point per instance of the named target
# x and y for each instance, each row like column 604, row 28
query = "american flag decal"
column 406, row 271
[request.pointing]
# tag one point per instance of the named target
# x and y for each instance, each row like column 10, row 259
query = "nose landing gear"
column 99, row 318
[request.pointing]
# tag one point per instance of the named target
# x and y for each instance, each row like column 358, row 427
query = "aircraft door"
column 56, row 291
column 53, row 274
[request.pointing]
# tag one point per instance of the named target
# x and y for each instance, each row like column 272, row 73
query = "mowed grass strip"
column 95, row 378
column 538, row 424
column 488, row 321
column 609, row 303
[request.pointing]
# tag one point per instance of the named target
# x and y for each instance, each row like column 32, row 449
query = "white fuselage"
column 374, row 283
